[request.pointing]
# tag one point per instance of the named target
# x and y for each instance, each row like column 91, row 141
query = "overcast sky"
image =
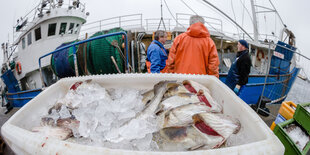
column 293, row 13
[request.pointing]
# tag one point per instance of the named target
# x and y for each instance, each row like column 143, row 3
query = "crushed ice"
column 104, row 117
column 299, row 137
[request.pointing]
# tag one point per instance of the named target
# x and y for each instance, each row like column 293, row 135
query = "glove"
column 236, row 90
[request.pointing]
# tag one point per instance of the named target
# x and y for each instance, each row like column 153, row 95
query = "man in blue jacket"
column 239, row 71
column 157, row 54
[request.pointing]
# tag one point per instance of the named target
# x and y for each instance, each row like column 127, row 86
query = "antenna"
column 161, row 18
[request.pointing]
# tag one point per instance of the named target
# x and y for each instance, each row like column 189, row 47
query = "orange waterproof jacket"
column 194, row 52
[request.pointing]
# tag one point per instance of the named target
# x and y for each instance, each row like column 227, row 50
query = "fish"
column 159, row 90
column 178, row 100
column 181, row 115
column 59, row 129
column 53, row 131
column 153, row 105
column 203, row 94
column 185, row 139
column 223, row 124
column 68, row 123
column 194, row 86
column 148, row 96
column 175, row 89
column 208, row 131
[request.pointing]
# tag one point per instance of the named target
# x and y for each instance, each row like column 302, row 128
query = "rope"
column 233, row 10
column 189, row 7
column 161, row 18
column 242, row 14
column 216, row 12
column 246, row 9
column 277, row 13
column 172, row 14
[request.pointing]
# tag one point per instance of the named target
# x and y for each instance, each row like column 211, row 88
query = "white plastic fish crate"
column 255, row 137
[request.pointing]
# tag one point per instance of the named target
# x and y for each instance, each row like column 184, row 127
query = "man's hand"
column 237, row 88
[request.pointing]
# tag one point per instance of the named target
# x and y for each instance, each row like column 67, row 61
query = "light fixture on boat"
column 40, row 15
column 228, row 41
column 60, row 2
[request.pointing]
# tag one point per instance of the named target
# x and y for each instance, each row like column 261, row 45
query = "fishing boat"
column 63, row 44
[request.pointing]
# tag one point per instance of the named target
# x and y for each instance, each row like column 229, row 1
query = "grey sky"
column 293, row 13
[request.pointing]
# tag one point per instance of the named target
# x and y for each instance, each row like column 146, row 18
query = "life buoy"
column 18, row 67
column 260, row 55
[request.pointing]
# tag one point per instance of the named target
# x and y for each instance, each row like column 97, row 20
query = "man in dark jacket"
column 239, row 71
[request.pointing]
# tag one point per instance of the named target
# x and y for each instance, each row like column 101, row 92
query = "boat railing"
column 127, row 22
column 81, row 42
column 182, row 22
column 152, row 24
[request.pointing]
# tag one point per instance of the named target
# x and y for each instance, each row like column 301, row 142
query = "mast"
column 254, row 22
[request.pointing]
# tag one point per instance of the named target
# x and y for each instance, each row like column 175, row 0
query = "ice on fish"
column 64, row 112
column 102, row 112
column 124, row 118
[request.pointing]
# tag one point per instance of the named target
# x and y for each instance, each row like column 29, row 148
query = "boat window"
column 70, row 31
column 63, row 27
column 29, row 37
column 51, row 29
column 37, row 33
column 76, row 28
column 23, row 43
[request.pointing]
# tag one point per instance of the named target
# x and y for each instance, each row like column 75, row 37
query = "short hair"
column 158, row 34
column 195, row 19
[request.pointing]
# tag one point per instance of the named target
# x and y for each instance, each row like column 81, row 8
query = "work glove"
column 236, row 89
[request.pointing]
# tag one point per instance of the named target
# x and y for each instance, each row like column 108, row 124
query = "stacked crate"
column 301, row 118
column 286, row 112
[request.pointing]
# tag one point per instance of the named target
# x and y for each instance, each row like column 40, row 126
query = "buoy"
column 18, row 67
column 260, row 55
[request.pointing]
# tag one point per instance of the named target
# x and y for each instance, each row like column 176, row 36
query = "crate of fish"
column 293, row 136
column 302, row 115
column 139, row 114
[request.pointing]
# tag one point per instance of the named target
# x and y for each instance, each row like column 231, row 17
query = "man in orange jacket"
column 194, row 52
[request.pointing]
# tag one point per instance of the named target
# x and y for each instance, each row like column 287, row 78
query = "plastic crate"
column 17, row 134
column 290, row 146
column 279, row 119
column 286, row 109
column 272, row 125
column 302, row 116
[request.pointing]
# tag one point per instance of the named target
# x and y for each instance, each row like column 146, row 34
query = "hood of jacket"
column 198, row 30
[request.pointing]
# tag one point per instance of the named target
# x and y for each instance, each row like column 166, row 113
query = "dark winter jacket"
column 239, row 71
column 244, row 67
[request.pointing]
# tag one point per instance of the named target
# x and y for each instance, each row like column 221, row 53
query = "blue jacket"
column 157, row 55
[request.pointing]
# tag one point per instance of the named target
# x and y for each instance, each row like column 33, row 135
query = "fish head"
column 163, row 86
column 47, row 121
